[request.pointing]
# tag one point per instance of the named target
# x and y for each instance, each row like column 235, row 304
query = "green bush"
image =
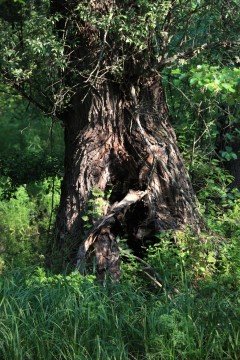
column 25, row 223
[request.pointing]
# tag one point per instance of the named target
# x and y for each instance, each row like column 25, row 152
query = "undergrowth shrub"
column 25, row 223
column 181, row 253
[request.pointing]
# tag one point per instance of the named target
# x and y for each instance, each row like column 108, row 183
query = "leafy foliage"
column 31, row 151
column 97, row 206
column 31, row 145
column 42, row 40
column 26, row 219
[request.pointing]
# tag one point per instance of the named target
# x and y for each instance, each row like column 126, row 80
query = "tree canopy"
column 42, row 55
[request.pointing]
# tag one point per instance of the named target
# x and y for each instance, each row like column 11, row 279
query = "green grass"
column 69, row 317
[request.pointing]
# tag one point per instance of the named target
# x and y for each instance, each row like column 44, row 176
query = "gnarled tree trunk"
column 121, row 140
column 118, row 140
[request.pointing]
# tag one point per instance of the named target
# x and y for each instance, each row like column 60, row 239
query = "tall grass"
column 69, row 317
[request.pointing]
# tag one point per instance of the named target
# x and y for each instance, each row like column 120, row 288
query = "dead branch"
column 131, row 198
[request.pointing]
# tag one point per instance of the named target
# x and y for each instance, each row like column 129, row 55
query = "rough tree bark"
column 118, row 137
column 123, row 142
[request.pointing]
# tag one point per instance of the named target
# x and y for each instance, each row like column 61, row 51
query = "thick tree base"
column 122, row 145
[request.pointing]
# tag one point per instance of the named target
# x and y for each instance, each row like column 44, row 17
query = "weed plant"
column 72, row 317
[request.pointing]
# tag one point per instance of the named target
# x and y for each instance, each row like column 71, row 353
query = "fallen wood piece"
column 131, row 198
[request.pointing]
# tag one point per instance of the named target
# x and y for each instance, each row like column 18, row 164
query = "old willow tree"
column 96, row 66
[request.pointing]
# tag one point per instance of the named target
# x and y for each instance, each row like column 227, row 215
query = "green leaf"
column 85, row 218
column 228, row 87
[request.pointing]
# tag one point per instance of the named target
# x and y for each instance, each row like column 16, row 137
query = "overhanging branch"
column 190, row 53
